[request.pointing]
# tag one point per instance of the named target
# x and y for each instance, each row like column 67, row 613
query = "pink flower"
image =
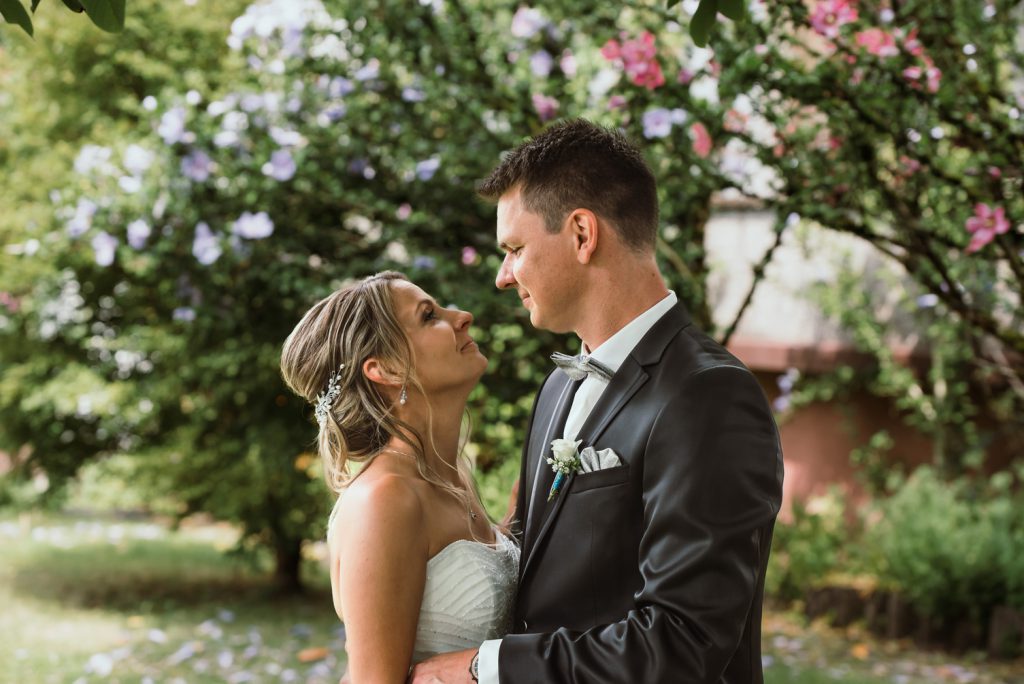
column 10, row 302
column 611, row 50
column 701, row 140
column 995, row 172
column 910, row 165
column 912, row 45
column 985, row 225
column 685, row 76
column 468, row 256
column 877, row 42
column 639, row 58
column 933, row 76
column 930, row 73
column 734, row 121
column 616, row 102
column 830, row 15
column 546, row 106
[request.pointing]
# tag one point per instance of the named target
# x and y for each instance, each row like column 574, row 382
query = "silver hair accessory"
column 403, row 397
column 325, row 400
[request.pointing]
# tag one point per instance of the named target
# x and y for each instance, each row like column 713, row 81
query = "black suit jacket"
column 652, row 571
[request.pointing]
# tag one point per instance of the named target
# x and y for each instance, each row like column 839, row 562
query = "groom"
column 650, row 567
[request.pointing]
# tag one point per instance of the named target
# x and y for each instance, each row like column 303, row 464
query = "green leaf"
column 35, row 3
column 672, row 3
column 703, row 21
column 734, row 9
column 14, row 13
column 107, row 14
column 74, row 5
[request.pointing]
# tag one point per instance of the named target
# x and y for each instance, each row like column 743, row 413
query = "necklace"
column 469, row 509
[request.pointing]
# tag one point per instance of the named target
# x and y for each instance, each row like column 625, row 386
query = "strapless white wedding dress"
column 468, row 596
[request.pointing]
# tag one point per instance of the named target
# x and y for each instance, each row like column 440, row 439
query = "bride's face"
column 446, row 357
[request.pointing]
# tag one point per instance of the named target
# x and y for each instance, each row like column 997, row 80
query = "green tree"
column 337, row 140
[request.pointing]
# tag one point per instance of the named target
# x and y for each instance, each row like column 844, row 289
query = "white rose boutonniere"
column 565, row 459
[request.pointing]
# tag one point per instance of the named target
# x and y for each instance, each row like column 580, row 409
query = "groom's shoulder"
column 693, row 352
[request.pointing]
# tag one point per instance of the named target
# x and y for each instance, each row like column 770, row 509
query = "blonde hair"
column 348, row 327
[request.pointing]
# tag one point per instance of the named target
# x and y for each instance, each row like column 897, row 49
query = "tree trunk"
column 287, row 565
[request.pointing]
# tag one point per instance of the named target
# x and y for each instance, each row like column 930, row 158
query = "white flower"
column 137, row 159
column 565, row 456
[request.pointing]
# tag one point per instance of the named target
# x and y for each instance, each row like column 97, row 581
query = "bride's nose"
column 463, row 319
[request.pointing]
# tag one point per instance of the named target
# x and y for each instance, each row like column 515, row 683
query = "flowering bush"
column 343, row 138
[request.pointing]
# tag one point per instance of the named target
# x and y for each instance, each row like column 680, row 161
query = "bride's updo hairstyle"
column 348, row 327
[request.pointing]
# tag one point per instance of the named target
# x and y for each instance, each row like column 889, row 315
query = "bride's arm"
column 382, row 560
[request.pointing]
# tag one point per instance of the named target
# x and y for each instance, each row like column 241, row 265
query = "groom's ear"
column 584, row 227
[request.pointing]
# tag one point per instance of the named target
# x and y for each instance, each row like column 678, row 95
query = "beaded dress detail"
column 468, row 596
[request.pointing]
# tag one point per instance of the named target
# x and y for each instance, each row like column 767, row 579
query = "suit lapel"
column 626, row 382
column 542, row 475
column 629, row 378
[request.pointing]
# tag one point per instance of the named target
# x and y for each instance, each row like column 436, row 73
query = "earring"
column 403, row 397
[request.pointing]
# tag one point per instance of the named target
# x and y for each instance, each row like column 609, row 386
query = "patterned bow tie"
column 579, row 367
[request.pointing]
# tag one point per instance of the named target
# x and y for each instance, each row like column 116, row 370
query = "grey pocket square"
column 591, row 460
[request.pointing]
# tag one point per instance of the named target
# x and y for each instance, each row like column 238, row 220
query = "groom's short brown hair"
column 578, row 164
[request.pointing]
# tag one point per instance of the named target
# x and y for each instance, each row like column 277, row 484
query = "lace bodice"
column 468, row 596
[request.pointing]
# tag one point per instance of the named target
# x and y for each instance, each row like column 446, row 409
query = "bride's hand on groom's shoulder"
column 446, row 668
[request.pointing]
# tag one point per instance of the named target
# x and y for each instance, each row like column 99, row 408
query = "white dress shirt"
column 612, row 354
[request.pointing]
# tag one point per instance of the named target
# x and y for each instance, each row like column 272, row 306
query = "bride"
column 417, row 567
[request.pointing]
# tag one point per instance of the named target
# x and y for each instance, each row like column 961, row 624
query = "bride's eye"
column 429, row 314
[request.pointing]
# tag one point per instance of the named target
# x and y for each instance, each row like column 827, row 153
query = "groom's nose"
column 505, row 279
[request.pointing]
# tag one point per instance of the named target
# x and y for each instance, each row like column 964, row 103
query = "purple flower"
column 370, row 71
column 205, row 246
column 129, row 184
column 787, row 379
column 137, row 159
column 251, row 102
column 410, row 94
column 781, row 403
column 358, row 166
column 281, row 166
column 927, row 301
column 657, row 123
column 91, row 157
column 81, row 221
column 339, row 87
column 285, row 137
column 426, row 169
column 253, row 226
column 546, row 106
column 568, row 63
column 541, row 63
column 332, row 113
column 424, row 263
column 527, row 22
column 172, row 126
column 138, row 232
column 186, row 314
column 104, row 245
column 225, row 138
column 197, row 166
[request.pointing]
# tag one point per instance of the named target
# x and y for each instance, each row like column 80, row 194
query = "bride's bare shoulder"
column 377, row 503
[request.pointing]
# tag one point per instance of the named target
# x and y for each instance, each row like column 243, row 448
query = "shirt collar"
column 617, row 347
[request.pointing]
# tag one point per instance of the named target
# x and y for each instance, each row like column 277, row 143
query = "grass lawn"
column 93, row 600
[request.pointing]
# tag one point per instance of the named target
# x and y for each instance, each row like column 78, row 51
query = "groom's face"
column 540, row 266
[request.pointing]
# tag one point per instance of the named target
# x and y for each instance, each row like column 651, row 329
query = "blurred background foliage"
column 178, row 194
